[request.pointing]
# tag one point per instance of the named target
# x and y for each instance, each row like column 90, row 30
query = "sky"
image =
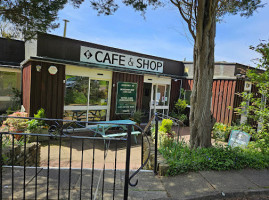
column 163, row 33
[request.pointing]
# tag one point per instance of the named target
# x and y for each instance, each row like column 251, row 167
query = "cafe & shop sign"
column 99, row 56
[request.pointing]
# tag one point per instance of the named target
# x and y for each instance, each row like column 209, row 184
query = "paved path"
column 200, row 185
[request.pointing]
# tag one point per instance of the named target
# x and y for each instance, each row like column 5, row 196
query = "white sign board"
column 99, row 56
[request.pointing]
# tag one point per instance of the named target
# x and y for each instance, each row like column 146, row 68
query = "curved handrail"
column 143, row 164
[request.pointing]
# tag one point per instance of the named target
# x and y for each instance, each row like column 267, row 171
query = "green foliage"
column 137, row 116
column 166, row 126
column 180, row 105
column 31, row 16
column 35, row 125
column 179, row 111
column 16, row 99
column 40, row 113
column 255, row 106
column 181, row 158
column 165, row 133
column 221, row 131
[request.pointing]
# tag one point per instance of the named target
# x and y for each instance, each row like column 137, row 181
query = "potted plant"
column 137, row 117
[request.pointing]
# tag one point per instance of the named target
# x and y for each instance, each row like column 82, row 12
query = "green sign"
column 126, row 98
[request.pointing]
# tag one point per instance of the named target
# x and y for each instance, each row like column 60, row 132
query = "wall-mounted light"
column 38, row 68
column 53, row 70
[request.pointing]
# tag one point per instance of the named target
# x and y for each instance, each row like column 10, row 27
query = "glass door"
column 160, row 99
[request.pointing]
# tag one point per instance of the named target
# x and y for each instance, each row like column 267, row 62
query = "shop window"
column 86, row 99
column 76, row 91
column 98, row 92
column 8, row 80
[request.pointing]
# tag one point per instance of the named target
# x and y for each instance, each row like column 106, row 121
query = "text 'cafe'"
column 78, row 80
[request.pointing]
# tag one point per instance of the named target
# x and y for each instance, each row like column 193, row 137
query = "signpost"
column 238, row 139
column 126, row 98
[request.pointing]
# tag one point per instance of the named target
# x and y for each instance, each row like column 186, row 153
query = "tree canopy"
column 29, row 16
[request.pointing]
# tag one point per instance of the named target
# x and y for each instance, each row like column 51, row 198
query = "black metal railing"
column 24, row 176
column 177, row 124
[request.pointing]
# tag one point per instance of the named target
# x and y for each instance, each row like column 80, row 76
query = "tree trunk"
column 203, row 62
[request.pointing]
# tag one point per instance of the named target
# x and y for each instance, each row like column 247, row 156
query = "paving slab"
column 188, row 185
column 146, row 195
column 18, row 174
column 147, row 181
column 98, row 178
column 228, row 181
column 258, row 177
column 43, row 177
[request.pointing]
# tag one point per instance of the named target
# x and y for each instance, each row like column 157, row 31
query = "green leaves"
column 182, row 159
column 32, row 15
column 255, row 105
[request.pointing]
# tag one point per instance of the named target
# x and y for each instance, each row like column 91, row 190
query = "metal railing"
column 14, row 176
column 177, row 124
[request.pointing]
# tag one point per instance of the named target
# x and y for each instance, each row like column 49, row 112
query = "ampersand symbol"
column 130, row 63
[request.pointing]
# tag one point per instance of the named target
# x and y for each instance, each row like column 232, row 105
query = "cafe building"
column 78, row 80
column 11, row 55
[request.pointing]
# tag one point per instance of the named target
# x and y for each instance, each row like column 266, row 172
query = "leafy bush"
column 35, row 125
column 165, row 133
column 179, row 111
column 221, row 131
column 137, row 116
column 181, row 158
column 166, row 126
column 255, row 105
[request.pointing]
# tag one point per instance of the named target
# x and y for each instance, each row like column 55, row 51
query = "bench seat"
column 121, row 134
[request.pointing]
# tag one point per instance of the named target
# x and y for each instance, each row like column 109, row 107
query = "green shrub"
column 221, row 131
column 179, row 111
column 165, row 133
column 34, row 125
column 181, row 105
column 166, row 126
column 181, row 158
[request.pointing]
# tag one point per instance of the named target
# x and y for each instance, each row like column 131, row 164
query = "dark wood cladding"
column 125, row 77
column 223, row 97
column 26, row 86
column 240, row 84
column 174, row 93
column 53, row 46
column 46, row 90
